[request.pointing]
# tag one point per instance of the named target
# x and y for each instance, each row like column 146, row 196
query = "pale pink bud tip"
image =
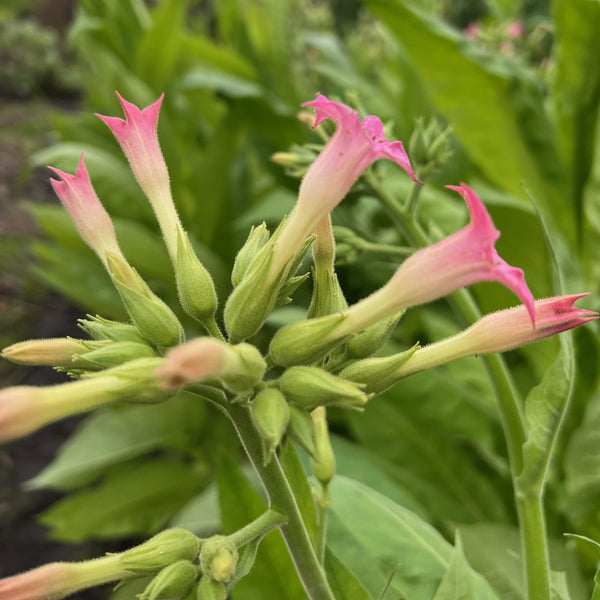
column 484, row 235
column 560, row 313
column 368, row 134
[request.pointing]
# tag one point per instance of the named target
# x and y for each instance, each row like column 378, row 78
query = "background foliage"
column 427, row 461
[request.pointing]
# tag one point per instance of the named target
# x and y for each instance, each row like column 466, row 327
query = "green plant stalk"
column 322, row 506
column 262, row 525
column 530, row 511
column 213, row 329
column 282, row 499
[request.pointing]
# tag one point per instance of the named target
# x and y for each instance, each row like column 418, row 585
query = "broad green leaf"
column 576, row 87
column 231, row 85
column 134, row 499
column 343, row 582
column 273, row 575
column 545, row 410
column 159, row 50
column 460, row 582
column 298, row 480
column 496, row 108
column 120, row 434
column 494, row 550
column 372, row 536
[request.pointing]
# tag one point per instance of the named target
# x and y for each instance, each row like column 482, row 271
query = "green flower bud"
column 305, row 342
column 254, row 298
column 218, row 558
column 373, row 338
column 195, row 286
column 152, row 317
column 302, row 430
column 209, row 589
column 270, row 414
column 112, row 355
column 378, row 374
column 323, row 466
column 54, row 352
column 309, row 387
column 429, row 146
column 160, row 551
column 247, row 370
column 172, row 583
column 257, row 238
column 104, row 329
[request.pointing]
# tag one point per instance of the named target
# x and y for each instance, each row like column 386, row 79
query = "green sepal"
column 195, row 287
column 257, row 238
column 172, row 583
column 302, row 430
column 270, row 414
column 373, row 338
column 112, row 355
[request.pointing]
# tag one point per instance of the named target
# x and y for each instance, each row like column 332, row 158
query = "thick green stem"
column 269, row 520
column 213, row 329
column 535, row 548
column 282, row 499
column 530, row 509
column 322, row 506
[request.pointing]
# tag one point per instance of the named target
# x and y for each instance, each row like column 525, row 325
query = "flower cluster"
column 326, row 359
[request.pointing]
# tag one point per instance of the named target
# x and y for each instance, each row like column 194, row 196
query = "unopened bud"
column 105, row 329
column 209, row 589
column 54, row 352
column 429, row 146
column 302, row 430
column 309, row 387
column 373, row 338
column 112, row 355
column 172, row 583
column 378, row 374
column 152, row 317
column 160, row 551
column 307, row 341
column 257, row 238
column 270, row 414
column 218, row 558
column 323, row 466
column 246, row 370
column 195, row 286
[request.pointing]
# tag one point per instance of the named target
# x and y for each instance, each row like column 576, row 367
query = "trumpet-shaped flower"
column 137, row 135
column 464, row 258
column 91, row 219
column 501, row 331
column 59, row 580
column 352, row 148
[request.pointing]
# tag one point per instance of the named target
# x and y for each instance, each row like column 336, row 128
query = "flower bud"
column 160, row 551
column 152, row 317
column 270, row 414
column 239, row 367
column 378, row 374
column 112, row 355
column 302, row 430
column 195, row 286
column 257, row 238
column 307, row 341
column 323, row 466
column 105, row 329
column 209, row 589
column 172, row 583
column 373, row 338
column 54, row 352
column 218, row 558
column 309, row 387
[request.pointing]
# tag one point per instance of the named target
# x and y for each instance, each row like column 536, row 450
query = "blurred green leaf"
column 274, row 574
column 133, row 499
column 373, row 536
column 120, row 434
column 201, row 515
column 343, row 582
column 495, row 107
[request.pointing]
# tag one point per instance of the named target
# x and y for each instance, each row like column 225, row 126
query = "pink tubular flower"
column 90, row 217
column 137, row 135
column 502, row 331
column 352, row 148
column 464, row 258
column 59, row 580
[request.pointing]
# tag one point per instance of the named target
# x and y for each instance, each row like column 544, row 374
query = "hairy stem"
column 282, row 499
column 269, row 520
